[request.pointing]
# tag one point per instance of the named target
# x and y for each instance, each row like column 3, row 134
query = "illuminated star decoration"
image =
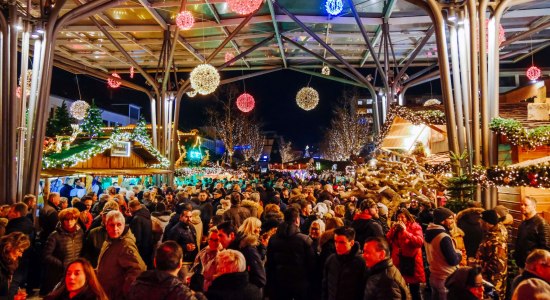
column 533, row 73
column 334, row 7
column 132, row 72
column 205, row 79
column 244, row 7
column 245, row 102
column 112, row 82
column 307, row 98
column 185, row 20
column 229, row 56
column 79, row 109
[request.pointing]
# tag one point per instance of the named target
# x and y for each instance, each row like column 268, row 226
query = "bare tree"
column 252, row 139
column 287, row 153
column 348, row 131
column 227, row 122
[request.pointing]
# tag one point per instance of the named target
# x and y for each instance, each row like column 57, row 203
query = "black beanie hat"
column 490, row 216
column 80, row 206
column 441, row 214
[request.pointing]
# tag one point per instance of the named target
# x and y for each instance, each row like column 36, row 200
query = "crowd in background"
column 273, row 237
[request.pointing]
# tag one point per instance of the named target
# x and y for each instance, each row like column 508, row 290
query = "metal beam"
column 224, row 29
column 530, row 53
column 525, row 34
column 246, row 76
column 245, row 53
column 277, row 33
column 388, row 9
column 333, row 78
column 80, row 59
column 160, row 20
column 230, row 37
column 415, row 52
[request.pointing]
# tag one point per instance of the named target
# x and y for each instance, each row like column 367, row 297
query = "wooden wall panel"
column 105, row 161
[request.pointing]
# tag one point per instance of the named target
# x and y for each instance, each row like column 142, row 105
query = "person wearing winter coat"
column 13, row 245
column 384, row 281
column 364, row 222
column 345, row 271
column 163, row 283
column 236, row 214
column 466, row 283
column 119, row 262
column 205, row 262
column 63, row 246
column 142, row 228
column 185, row 235
column 48, row 216
column 406, row 240
column 231, row 281
column 80, row 283
column 468, row 221
column 290, row 259
column 533, row 232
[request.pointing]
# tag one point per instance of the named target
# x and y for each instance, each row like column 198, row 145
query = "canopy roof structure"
column 140, row 26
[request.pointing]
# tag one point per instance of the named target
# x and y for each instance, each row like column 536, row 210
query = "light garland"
column 191, row 93
column 325, row 70
column 533, row 73
column 205, row 79
column 79, row 109
column 307, row 98
column 99, row 147
column 432, row 102
column 113, row 82
column 228, row 57
column 185, row 20
column 334, row 7
column 245, row 102
column 518, row 135
column 537, row 176
column 244, row 7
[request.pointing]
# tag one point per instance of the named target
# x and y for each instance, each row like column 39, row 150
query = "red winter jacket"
column 409, row 243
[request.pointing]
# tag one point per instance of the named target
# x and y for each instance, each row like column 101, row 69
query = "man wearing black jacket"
column 142, row 228
column 533, row 232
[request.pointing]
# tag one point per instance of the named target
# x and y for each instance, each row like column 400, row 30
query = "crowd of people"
column 272, row 238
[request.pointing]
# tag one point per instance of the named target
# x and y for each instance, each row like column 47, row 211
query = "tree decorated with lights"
column 93, row 122
column 252, row 140
column 348, row 131
column 287, row 153
column 141, row 128
column 60, row 122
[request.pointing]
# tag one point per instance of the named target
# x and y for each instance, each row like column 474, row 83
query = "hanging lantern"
column 245, row 102
column 191, row 93
column 307, row 98
column 533, row 73
column 334, row 7
column 132, row 72
column 112, row 82
column 325, row 70
column 229, row 56
column 185, row 20
column 79, row 109
column 204, row 79
column 244, row 7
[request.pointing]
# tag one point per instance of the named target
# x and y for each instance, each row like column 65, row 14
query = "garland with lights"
column 537, row 176
column 99, row 147
column 517, row 135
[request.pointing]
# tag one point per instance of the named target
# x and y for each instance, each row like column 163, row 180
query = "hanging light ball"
column 113, row 82
column 229, row 56
column 191, row 93
column 205, row 79
column 325, row 70
column 244, row 7
column 79, row 109
column 334, row 7
column 185, row 20
column 307, row 98
column 245, row 102
column 533, row 73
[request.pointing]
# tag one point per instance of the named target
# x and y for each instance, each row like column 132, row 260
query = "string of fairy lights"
column 518, row 135
column 537, row 176
column 101, row 146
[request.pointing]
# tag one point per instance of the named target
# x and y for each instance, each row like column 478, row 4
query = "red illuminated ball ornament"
column 244, row 7
column 245, row 102
column 533, row 73
column 185, row 20
column 112, row 82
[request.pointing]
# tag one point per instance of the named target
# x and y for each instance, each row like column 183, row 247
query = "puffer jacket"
column 61, row 248
column 468, row 221
column 159, row 285
column 119, row 265
column 344, row 276
column 384, row 282
column 246, row 244
column 365, row 226
column 408, row 243
column 532, row 234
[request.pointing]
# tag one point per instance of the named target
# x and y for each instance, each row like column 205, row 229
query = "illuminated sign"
column 121, row 149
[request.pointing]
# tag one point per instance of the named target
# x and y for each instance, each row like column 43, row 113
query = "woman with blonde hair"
column 80, row 283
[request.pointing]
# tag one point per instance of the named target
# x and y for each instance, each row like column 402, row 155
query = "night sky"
column 274, row 94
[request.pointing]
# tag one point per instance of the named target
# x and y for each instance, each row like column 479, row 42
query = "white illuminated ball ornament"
column 79, row 109
column 307, row 98
column 205, row 79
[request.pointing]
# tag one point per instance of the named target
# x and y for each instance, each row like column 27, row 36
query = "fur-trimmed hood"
column 473, row 214
column 251, row 205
